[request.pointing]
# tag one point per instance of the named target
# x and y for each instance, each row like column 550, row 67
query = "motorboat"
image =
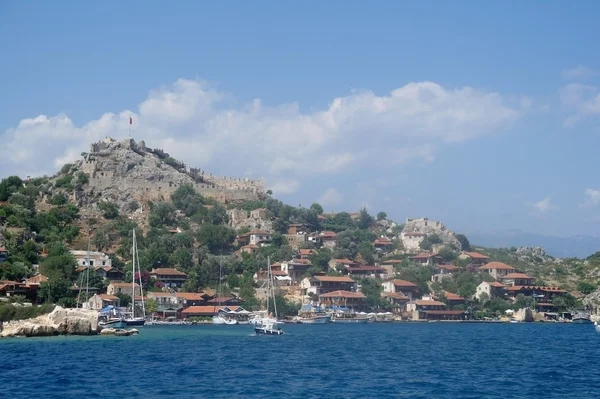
column 582, row 317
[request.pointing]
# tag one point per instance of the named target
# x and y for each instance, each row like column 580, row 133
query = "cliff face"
column 427, row 227
column 129, row 173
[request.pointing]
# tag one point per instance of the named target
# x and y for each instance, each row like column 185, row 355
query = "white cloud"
column 583, row 101
column 579, row 71
column 285, row 187
column 544, row 205
column 592, row 198
column 203, row 127
column 330, row 197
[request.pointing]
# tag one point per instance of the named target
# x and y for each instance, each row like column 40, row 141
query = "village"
column 340, row 286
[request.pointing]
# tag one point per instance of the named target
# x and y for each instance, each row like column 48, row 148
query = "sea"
column 376, row 360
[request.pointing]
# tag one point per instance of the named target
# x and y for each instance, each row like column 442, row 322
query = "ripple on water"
column 333, row 361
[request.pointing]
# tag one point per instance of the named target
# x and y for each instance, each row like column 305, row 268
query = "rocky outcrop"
column 60, row 321
column 427, row 228
column 119, row 332
column 524, row 315
column 592, row 302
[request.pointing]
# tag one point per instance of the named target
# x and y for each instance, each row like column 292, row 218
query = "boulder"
column 60, row 321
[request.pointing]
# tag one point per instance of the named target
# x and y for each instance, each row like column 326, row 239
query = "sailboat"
column 269, row 325
column 131, row 320
column 218, row 318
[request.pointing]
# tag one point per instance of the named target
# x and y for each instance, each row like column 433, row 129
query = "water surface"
column 404, row 360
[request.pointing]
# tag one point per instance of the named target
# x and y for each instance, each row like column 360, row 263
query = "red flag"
column 130, row 120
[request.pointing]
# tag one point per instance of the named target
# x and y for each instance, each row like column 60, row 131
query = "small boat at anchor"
column 582, row 317
column 269, row 325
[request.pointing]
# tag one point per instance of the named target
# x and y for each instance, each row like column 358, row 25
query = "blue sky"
column 482, row 115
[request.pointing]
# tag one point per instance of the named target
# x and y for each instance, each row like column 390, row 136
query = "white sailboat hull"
column 315, row 320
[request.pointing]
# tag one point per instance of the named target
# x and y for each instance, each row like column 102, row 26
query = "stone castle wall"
column 221, row 188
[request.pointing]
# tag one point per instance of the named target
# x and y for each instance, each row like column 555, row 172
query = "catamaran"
column 131, row 320
column 269, row 325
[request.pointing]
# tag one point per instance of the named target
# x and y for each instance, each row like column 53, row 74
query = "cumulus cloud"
column 204, row 127
column 579, row 71
column 330, row 197
column 544, row 205
column 285, row 187
column 592, row 198
column 583, row 101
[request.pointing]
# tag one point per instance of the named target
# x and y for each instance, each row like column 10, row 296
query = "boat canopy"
column 107, row 309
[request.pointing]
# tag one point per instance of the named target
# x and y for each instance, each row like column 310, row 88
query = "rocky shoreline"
column 60, row 321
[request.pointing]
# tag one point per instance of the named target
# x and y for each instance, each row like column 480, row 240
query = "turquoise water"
column 432, row 360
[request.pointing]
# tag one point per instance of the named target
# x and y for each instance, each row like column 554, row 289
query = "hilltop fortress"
column 122, row 171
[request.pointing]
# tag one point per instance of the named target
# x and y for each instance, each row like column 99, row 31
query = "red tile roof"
column 428, row 302
column 307, row 252
column 161, row 294
column 126, row 285
column 444, row 312
column 334, row 279
column 496, row 284
column 167, row 271
column 366, row 269
column 106, row 297
column 190, row 296
column 475, row 255
column 327, row 234
column 344, row 261
column 448, row 267
column 382, row 241
column 452, row 296
column 343, row 294
column 396, row 295
column 403, row 283
column 496, row 265
column 221, row 299
column 206, row 310
column 424, row 255
column 392, row 261
column 38, row 279
column 516, row 276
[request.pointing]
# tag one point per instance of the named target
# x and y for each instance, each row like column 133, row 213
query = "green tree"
column 217, row 238
column 162, row 214
column 151, row 306
column 372, row 288
column 464, row 242
column 183, row 258
column 317, row 208
column 58, row 199
column 381, row 216
column 59, row 266
column 15, row 271
column 124, row 299
column 54, row 289
column 9, row 186
column 586, row 287
column 284, row 307
column 365, row 220
column 434, row 239
column 109, row 210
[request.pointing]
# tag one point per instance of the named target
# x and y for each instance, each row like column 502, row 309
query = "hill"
column 195, row 222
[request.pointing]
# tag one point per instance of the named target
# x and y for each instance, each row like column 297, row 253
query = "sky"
column 484, row 115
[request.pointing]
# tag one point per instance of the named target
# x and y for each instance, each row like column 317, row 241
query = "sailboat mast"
column 137, row 256
column 87, row 274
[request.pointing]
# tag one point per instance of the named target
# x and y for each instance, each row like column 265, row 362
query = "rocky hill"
column 130, row 174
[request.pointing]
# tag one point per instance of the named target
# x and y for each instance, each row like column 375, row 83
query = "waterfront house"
column 115, row 288
column 513, row 279
column 318, row 285
column 187, row 299
column 255, row 237
column 352, row 300
column 11, row 288
column 170, row 277
column 163, row 298
column 429, row 309
column 397, row 299
column 497, row 269
column 224, row 301
column 452, row 299
column 207, row 310
column 404, row 287
column 425, row 258
column 493, row 289
column 475, row 258
column 100, row 301
column 540, row 293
